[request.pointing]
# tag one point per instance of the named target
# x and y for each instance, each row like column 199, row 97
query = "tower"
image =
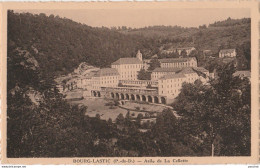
column 139, row 55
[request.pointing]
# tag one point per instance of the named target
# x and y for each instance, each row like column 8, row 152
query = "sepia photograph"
column 137, row 82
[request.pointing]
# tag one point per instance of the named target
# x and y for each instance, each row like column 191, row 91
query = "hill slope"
column 60, row 44
column 230, row 33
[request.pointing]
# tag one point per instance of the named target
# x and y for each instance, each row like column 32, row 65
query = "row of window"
column 128, row 66
column 107, row 82
column 171, row 91
column 128, row 76
column 182, row 64
column 178, row 85
column 174, row 80
column 109, row 77
column 130, row 72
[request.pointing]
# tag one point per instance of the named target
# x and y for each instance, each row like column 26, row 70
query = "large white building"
column 178, row 62
column 106, row 77
column 158, row 73
column 128, row 67
column 171, row 84
column 164, row 86
column 188, row 50
column 227, row 53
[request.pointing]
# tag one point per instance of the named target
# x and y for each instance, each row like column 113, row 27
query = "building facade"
column 108, row 77
column 170, row 85
column 188, row 50
column 120, row 81
column 158, row 73
column 178, row 62
column 128, row 67
column 227, row 53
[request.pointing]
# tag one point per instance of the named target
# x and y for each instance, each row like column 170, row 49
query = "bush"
column 116, row 103
column 137, row 108
column 110, row 104
column 112, row 107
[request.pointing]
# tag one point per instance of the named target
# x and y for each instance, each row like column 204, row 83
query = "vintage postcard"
column 130, row 83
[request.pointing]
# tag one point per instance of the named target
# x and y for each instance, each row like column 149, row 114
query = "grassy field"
column 98, row 106
column 143, row 107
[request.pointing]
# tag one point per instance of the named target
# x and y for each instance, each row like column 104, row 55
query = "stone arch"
column 94, row 93
column 112, row 95
column 132, row 97
column 156, row 100
column 117, row 96
column 150, row 99
column 143, row 98
column 98, row 94
column 163, row 100
column 122, row 96
column 127, row 96
column 138, row 98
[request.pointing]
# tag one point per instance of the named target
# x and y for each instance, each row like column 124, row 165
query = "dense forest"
column 41, row 47
column 230, row 33
column 60, row 44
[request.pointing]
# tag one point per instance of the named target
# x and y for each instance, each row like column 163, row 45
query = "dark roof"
column 171, row 76
column 189, row 70
column 107, row 72
column 201, row 69
column 166, row 69
column 127, row 61
column 227, row 50
column 172, row 60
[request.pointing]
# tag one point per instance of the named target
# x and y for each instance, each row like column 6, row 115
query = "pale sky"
column 137, row 18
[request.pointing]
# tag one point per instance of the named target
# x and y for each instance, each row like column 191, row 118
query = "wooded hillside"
column 60, row 44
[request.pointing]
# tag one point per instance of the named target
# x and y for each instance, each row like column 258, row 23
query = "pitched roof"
column 172, row 60
column 166, row 69
column 187, row 70
column 172, row 76
column 107, row 72
column 227, row 51
column 127, row 61
column 201, row 69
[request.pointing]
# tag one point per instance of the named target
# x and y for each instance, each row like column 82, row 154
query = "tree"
column 155, row 63
column 203, row 27
column 120, row 84
column 120, row 119
column 139, row 117
column 184, row 54
column 143, row 75
column 244, row 56
column 202, row 107
column 127, row 116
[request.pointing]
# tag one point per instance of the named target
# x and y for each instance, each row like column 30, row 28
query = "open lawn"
column 98, row 106
column 106, row 109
